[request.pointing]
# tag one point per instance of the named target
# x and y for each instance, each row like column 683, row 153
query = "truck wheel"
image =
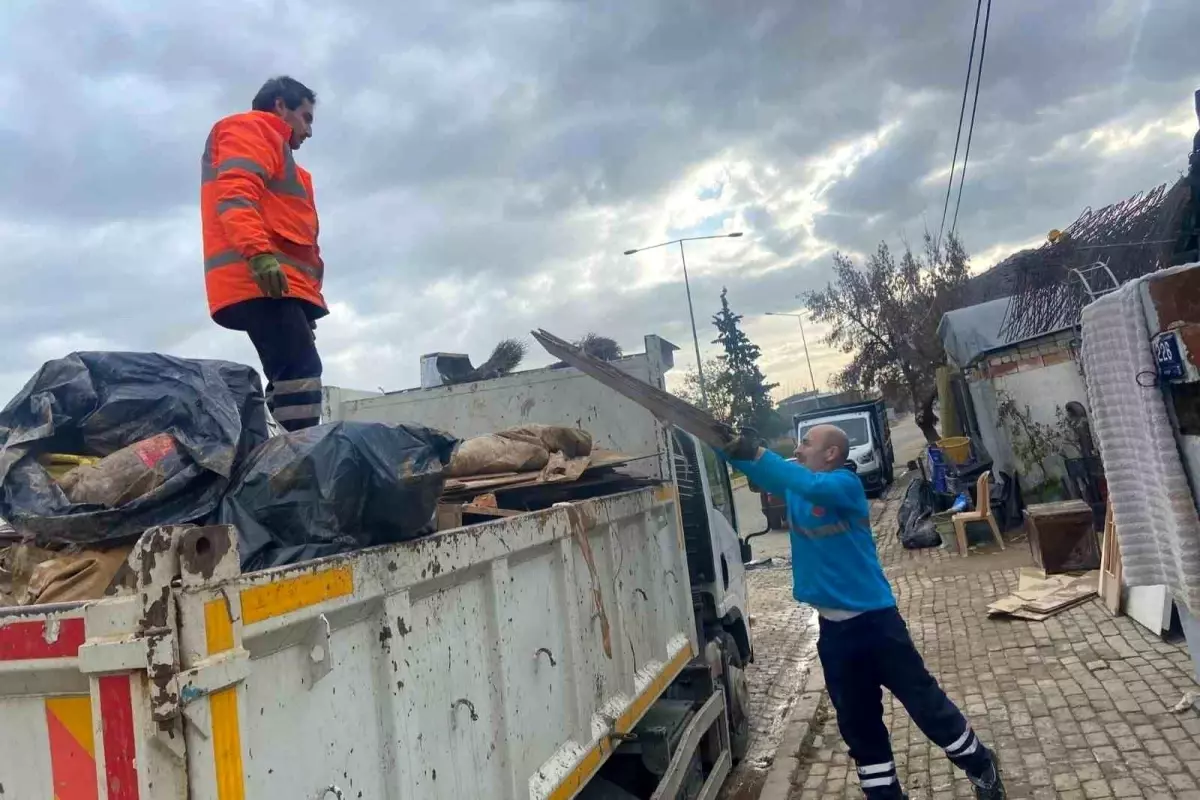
column 775, row 520
column 737, row 696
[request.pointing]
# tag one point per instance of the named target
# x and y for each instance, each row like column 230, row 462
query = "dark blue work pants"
column 282, row 333
column 863, row 655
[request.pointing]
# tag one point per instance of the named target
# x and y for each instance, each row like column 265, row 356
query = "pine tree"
column 741, row 380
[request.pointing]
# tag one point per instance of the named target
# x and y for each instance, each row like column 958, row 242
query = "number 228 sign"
column 1166, row 354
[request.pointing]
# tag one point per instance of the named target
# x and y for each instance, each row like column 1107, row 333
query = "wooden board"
column 665, row 406
column 1110, row 565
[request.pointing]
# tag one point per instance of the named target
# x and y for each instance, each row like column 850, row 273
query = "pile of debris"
column 100, row 447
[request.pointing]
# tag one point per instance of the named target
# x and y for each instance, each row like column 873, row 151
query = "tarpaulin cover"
column 967, row 333
column 335, row 488
column 98, row 403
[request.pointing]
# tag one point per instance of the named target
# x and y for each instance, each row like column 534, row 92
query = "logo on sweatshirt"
column 817, row 511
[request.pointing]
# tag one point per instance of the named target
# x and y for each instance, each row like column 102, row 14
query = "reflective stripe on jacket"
column 255, row 199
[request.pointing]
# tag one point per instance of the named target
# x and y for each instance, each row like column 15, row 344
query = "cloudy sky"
column 481, row 166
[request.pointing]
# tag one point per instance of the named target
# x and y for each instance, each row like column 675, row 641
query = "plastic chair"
column 982, row 513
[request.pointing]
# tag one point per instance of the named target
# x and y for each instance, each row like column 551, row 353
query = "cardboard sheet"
column 1039, row 596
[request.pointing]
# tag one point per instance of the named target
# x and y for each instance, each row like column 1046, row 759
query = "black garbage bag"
column 916, row 526
column 336, row 488
column 921, row 533
column 95, row 404
column 917, row 500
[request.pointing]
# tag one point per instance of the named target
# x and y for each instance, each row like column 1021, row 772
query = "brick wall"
column 1045, row 351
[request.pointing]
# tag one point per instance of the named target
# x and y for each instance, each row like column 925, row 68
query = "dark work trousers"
column 282, row 333
column 863, row 655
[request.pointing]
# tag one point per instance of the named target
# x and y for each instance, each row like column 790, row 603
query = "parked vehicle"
column 588, row 649
column 869, row 431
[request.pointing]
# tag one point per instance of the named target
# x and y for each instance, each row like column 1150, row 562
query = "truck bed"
column 494, row 661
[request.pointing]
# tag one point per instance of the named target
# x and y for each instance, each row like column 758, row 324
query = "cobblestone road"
column 1078, row 706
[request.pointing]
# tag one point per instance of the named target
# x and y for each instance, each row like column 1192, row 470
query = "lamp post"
column 688, row 286
column 800, row 319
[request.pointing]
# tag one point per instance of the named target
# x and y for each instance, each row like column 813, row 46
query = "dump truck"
column 593, row 648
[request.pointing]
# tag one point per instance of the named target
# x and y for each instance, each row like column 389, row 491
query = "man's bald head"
column 823, row 448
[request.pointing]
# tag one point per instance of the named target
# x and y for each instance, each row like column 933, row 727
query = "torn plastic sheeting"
column 99, row 403
column 335, row 488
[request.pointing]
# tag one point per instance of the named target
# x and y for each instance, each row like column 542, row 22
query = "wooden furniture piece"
column 1110, row 565
column 1062, row 536
column 982, row 513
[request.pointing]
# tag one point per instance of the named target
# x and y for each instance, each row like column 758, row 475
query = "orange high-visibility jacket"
column 255, row 199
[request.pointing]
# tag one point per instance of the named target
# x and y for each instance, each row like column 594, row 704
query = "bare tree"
column 885, row 315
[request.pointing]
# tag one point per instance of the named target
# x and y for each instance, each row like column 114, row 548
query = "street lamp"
column 687, row 285
column 800, row 319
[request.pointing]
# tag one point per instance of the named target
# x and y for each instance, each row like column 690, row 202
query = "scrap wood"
column 663, row 405
column 1039, row 597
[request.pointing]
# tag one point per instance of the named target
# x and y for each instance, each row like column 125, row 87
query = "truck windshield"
column 855, row 428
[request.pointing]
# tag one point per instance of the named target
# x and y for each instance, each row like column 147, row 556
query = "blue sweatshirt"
column 834, row 563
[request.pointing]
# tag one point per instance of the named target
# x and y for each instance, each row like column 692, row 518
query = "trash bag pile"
column 335, row 488
column 917, row 529
column 99, row 447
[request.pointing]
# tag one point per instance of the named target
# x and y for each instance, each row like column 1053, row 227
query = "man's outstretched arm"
column 779, row 476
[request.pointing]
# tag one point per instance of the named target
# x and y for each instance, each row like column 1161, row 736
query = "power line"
column 961, row 113
column 962, row 176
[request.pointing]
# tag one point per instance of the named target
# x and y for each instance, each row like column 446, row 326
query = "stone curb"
column 796, row 738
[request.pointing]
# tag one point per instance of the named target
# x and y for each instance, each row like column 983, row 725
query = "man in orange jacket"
column 262, row 266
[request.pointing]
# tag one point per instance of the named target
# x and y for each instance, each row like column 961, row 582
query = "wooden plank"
column 1110, row 565
column 663, row 405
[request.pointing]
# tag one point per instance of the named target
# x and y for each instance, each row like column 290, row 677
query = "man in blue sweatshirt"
column 864, row 643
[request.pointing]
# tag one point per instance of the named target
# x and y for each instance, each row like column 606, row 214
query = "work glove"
column 743, row 447
column 269, row 276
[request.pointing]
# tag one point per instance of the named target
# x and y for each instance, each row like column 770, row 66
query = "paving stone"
column 1077, row 706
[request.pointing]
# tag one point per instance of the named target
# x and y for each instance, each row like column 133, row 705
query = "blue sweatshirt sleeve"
column 779, row 476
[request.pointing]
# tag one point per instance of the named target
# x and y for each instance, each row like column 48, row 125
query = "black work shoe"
column 989, row 785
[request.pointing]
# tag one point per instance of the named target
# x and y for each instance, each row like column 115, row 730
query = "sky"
column 480, row 167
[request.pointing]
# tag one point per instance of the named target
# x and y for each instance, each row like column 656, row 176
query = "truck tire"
column 775, row 520
column 737, row 696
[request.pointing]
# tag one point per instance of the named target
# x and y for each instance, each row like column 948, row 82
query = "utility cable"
column 962, row 176
column 961, row 113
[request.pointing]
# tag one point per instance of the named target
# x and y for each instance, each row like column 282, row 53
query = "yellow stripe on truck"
column 223, row 704
column 592, row 761
column 292, row 594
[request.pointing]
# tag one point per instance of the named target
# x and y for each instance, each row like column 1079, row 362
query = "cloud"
column 480, row 167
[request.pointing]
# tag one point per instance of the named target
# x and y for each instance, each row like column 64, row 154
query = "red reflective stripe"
column 21, row 641
column 120, row 748
column 72, row 767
